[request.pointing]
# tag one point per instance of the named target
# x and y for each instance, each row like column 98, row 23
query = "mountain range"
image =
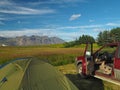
column 29, row 40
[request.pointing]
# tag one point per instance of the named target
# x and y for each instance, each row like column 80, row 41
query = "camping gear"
column 32, row 74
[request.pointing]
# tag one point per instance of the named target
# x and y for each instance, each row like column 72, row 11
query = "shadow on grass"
column 90, row 83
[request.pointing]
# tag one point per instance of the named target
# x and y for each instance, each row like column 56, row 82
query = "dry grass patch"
column 10, row 53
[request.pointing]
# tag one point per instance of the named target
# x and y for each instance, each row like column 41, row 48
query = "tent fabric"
column 33, row 74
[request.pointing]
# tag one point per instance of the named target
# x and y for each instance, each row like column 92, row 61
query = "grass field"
column 62, row 58
column 56, row 56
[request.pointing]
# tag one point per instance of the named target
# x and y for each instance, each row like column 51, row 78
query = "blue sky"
column 66, row 19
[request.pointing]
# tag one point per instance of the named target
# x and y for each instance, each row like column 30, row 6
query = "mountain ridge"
column 30, row 40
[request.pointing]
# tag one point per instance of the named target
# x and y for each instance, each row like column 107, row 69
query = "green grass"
column 59, row 59
column 46, row 46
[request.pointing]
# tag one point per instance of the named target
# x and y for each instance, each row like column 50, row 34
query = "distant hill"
column 30, row 40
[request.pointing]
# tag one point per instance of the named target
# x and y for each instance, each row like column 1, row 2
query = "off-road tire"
column 79, row 71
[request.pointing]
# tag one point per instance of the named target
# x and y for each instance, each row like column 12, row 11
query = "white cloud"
column 63, row 34
column 68, row 36
column 90, row 26
column 24, row 11
column 98, row 29
column 14, row 8
column 67, row 33
column 74, row 17
column 81, row 27
column 14, row 33
column 113, row 24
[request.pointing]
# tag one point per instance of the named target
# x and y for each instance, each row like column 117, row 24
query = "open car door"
column 85, row 63
column 89, row 59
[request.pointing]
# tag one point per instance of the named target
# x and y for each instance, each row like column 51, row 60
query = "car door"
column 117, row 64
column 89, row 59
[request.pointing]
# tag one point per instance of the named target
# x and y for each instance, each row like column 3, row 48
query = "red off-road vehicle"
column 103, row 64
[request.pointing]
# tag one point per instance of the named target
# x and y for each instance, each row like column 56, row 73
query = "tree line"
column 82, row 40
column 104, row 37
column 108, row 36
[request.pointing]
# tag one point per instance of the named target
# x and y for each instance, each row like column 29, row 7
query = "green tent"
column 32, row 74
